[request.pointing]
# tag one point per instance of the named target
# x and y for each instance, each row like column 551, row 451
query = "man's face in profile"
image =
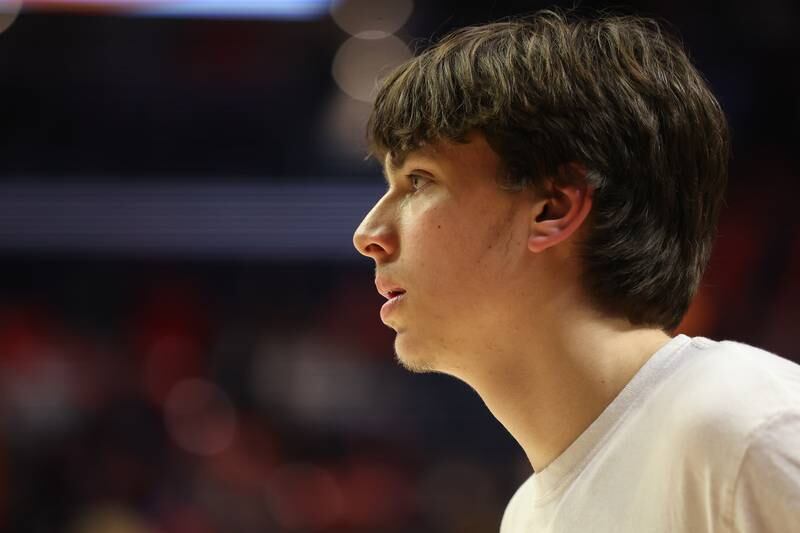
column 456, row 243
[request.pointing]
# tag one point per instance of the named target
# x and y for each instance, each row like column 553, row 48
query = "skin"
column 493, row 294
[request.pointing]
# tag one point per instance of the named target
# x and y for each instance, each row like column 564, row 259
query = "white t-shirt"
column 704, row 438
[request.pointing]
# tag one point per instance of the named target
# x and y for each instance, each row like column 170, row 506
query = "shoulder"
column 746, row 383
column 743, row 354
column 722, row 392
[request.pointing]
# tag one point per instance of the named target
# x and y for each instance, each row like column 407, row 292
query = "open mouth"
column 393, row 294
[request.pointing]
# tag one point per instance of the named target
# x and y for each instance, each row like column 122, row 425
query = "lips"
column 389, row 289
column 391, row 305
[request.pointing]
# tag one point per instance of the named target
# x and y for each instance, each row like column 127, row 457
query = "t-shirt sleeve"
column 766, row 496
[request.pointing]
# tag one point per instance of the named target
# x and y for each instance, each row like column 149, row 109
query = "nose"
column 376, row 237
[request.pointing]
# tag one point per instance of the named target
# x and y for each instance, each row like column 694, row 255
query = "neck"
column 548, row 387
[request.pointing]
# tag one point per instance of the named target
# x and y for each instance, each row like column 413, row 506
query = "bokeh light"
column 360, row 64
column 343, row 125
column 9, row 10
column 371, row 19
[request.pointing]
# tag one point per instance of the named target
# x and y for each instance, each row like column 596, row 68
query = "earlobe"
column 558, row 217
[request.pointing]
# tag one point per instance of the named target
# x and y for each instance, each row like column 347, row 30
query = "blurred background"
column 188, row 341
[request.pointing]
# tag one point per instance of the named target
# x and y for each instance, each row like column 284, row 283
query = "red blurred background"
column 188, row 341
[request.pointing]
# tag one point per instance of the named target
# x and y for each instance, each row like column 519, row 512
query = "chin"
column 415, row 359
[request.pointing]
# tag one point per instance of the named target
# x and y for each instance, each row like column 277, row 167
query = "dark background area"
column 188, row 341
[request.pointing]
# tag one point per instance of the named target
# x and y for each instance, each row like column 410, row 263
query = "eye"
column 417, row 182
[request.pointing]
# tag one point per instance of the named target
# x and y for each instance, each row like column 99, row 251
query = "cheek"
column 437, row 241
column 445, row 255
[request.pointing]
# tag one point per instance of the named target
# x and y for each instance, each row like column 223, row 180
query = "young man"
column 554, row 185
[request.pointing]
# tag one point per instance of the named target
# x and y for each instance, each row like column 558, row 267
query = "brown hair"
column 614, row 93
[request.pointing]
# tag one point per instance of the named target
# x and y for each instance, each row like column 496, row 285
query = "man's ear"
column 560, row 214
